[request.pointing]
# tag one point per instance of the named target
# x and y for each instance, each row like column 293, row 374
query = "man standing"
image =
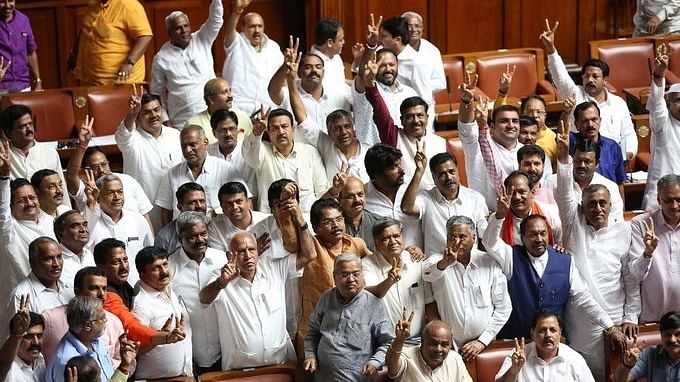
column 282, row 157
column 73, row 235
column 428, row 54
column 431, row 361
column 329, row 38
column 358, row 220
column 237, row 215
column 253, row 334
column 654, row 258
column 664, row 120
column 198, row 167
column 349, row 330
column 185, row 63
column 615, row 122
column 43, row 284
column 434, row 207
column 190, row 197
column 115, row 56
column 49, row 188
column 148, row 147
column 18, row 51
column 154, row 303
column 251, row 59
column 545, row 359
column 469, row 288
column 191, row 269
column 599, row 247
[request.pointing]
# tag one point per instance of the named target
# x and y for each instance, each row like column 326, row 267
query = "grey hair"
column 668, row 181
column 408, row 14
column 81, row 310
column 241, row 234
column 345, row 258
column 106, row 179
column 593, row 188
column 382, row 224
column 188, row 219
column 169, row 19
column 198, row 129
column 460, row 219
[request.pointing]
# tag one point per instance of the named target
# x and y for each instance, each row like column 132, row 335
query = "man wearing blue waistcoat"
column 540, row 278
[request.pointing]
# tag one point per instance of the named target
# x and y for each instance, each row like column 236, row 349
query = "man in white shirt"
column 43, row 284
column 540, row 278
column 217, row 95
column 306, row 77
column 190, row 197
column 197, row 166
column 48, row 186
column 434, row 207
column 469, row 288
column 394, row 278
column 237, row 215
column 329, row 38
column 431, row 361
column 600, row 250
column 616, row 123
column 428, row 54
column 191, row 268
column 185, row 63
column 545, row 359
column 584, row 162
column 28, row 155
column 154, row 303
column 150, row 150
column 664, row 120
column 73, row 235
column 251, row 59
column 282, row 157
column 107, row 218
column 384, row 192
column 22, row 360
column 391, row 89
column 225, row 126
column 413, row 72
column 249, row 296
column 337, row 143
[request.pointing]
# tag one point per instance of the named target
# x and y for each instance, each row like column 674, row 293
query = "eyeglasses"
column 347, row 275
column 335, row 221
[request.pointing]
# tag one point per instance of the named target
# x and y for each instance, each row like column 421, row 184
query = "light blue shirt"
column 69, row 347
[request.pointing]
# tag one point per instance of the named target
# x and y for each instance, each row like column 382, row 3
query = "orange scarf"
column 508, row 228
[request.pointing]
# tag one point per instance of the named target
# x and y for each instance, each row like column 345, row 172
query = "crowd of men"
column 284, row 214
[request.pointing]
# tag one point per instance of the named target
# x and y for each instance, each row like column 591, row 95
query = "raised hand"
column 263, row 243
column 451, row 254
column 518, row 355
column 21, row 321
column 568, row 105
column 174, row 335
column 373, row 32
column 5, row 158
column 310, row 365
column 370, row 70
column 240, row 5
column 421, row 161
column 548, row 37
column 632, row 354
column 562, row 140
column 661, row 60
column 395, row 272
column 292, row 57
column 128, row 349
column 466, row 91
column 289, row 191
column 135, row 101
column 4, row 66
column 416, row 253
column 357, row 52
column 91, row 189
column 650, row 239
column 72, row 374
column 506, row 79
column 85, row 132
column 229, row 270
column 259, row 121
column 503, row 204
column 481, row 112
column 402, row 331
column 340, row 179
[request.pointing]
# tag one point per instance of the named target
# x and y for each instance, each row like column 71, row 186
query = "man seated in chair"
column 545, row 359
column 431, row 360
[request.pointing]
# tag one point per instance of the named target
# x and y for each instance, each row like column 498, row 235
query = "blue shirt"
column 655, row 365
column 69, row 347
column 611, row 160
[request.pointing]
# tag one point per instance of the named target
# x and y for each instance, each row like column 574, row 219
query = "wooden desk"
column 637, row 99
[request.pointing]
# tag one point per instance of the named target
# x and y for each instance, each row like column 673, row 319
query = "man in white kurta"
column 664, row 120
column 251, row 60
column 185, row 63
column 600, row 251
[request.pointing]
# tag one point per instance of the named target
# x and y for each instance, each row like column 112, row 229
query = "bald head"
column 353, row 197
column 239, row 239
column 217, row 94
column 437, row 326
column 253, row 28
column 437, row 340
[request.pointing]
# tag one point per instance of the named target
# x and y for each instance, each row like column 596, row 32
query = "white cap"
column 675, row 88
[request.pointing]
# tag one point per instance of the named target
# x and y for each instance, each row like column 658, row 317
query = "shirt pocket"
column 272, row 303
column 417, row 295
column 481, row 295
column 358, row 335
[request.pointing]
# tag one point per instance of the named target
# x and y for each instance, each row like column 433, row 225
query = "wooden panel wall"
column 453, row 25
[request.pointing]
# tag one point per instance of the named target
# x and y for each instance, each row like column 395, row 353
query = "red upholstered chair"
column 485, row 367
column 108, row 105
column 53, row 111
column 529, row 77
column 454, row 147
column 649, row 333
column 174, row 379
column 628, row 60
column 274, row 373
column 455, row 74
